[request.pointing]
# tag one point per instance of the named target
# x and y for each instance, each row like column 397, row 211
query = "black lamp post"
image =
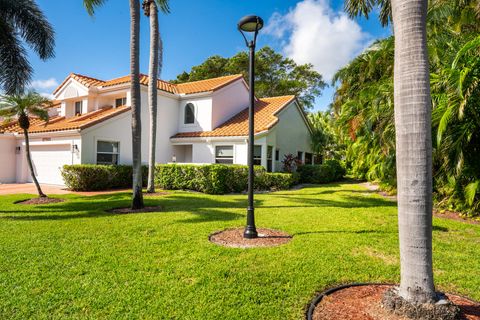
column 250, row 24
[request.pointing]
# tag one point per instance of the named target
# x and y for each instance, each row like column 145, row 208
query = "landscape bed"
column 75, row 260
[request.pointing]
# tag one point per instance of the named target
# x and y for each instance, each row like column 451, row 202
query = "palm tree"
column 22, row 19
column 155, row 70
column 413, row 142
column 23, row 107
column 90, row 6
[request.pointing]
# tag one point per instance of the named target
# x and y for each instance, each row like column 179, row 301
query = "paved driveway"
column 16, row 188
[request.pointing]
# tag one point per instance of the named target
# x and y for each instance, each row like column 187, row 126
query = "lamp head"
column 250, row 23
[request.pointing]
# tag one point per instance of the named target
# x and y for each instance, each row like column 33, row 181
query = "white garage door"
column 48, row 160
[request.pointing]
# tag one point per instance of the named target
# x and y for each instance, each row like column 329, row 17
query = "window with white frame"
column 224, row 154
column 107, row 152
column 257, row 155
column 78, row 107
column 189, row 116
column 120, row 102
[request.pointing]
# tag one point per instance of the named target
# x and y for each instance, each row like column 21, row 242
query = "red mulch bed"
column 129, row 210
column 234, row 238
column 44, row 200
column 365, row 303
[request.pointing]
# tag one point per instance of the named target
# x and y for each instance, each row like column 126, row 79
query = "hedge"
column 212, row 179
column 92, row 177
column 329, row 171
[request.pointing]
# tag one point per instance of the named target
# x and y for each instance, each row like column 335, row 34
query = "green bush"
column 330, row 170
column 218, row 178
column 92, row 177
column 211, row 178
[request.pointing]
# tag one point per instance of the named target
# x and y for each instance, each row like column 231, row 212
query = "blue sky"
column 314, row 31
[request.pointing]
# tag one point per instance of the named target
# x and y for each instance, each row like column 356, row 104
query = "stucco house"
column 198, row 122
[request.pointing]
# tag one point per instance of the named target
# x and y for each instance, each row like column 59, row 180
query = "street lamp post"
column 250, row 24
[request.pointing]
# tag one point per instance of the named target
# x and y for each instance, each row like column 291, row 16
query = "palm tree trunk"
column 152, row 93
column 30, row 164
column 137, row 200
column 413, row 150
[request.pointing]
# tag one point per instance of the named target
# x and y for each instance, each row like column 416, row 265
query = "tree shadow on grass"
column 367, row 231
column 349, row 202
column 205, row 209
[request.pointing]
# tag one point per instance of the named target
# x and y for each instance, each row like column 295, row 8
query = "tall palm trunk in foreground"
column 154, row 71
column 137, row 200
column 413, row 150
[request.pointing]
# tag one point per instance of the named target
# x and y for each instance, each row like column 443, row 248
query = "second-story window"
column 78, row 107
column 189, row 114
column 120, row 102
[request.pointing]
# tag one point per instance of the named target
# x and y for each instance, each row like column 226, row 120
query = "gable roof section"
column 182, row 88
column 61, row 123
column 266, row 110
column 84, row 80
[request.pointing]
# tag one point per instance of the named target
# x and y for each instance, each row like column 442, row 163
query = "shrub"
column 92, row 177
column 291, row 163
column 330, row 170
column 211, row 178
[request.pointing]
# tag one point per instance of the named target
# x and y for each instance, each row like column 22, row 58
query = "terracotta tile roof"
column 84, row 80
column 266, row 110
column 161, row 85
column 58, row 123
column 183, row 88
column 207, row 85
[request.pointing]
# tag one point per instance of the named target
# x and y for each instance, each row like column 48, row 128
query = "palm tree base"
column 442, row 309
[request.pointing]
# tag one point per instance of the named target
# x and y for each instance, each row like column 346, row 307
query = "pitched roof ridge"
column 84, row 76
column 89, row 114
column 238, row 75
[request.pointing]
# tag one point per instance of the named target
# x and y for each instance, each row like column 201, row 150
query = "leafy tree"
column 22, row 21
column 24, row 107
column 275, row 75
column 324, row 138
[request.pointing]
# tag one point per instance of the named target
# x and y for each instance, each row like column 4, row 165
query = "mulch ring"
column 43, row 200
column 364, row 302
column 233, row 238
column 129, row 210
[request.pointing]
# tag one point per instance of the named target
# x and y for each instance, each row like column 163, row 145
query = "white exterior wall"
column 292, row 134
column 203, row 115
column 118, row 129
column 7, row 159
column 229, row 101
column 62, row 152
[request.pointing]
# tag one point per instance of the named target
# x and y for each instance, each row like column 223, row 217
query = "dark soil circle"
column 233, row 238
column 129, row 210
column 364, row 302
column 43, row 200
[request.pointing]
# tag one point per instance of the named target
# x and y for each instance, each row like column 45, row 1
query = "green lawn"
column 73, row 260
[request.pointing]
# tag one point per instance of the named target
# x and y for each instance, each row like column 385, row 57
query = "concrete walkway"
column 29, row 188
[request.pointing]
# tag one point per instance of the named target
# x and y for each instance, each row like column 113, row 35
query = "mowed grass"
column 73, row 260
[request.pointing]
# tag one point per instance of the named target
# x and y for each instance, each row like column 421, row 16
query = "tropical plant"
column 324, row 140
column 275, row 75
column 24, row 107
column 412, row 109
column 22, row 21
column 155, row 70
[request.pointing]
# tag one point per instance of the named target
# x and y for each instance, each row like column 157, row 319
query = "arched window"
column 189, row 113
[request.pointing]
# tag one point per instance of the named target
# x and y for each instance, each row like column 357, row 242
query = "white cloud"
column 44, row 84
column 313, row 33
column 47, row 95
